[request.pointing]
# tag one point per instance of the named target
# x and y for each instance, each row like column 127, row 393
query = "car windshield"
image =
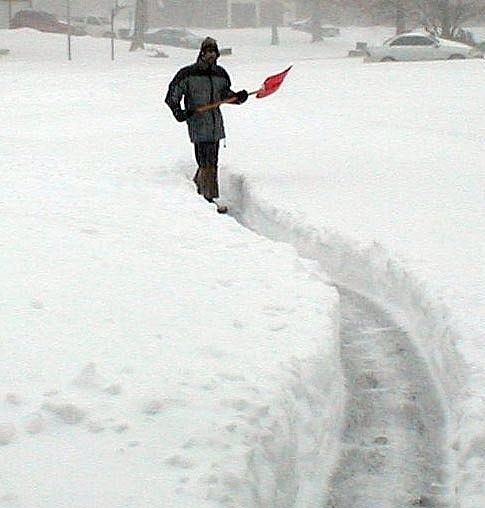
column 431, row 37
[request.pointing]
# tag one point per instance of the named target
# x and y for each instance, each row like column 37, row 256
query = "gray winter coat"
column 199, row 84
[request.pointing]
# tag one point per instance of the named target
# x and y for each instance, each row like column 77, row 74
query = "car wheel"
column 388, row 59
column 456, row 57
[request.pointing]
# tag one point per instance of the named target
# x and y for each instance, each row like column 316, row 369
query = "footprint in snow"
column 238, row 324
column 89, row 231
column 66, row 412
column 276, row 310
column 277, row 326
column 119, row 428
column 153, row 407
column 7, row 433
column 89, row 377
column 35, row 424
column 237, row 404
column 114, row 389
column 225, row 283
column 13, row 399
column 231, row 377
column 95, row 427
column 381, row 440
column 179, row 461
column 156, row 406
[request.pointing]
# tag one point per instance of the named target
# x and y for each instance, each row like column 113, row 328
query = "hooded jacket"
column 199, row 84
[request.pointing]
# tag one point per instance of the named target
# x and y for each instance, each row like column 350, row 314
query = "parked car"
column 305, row 25
column 95, row 26
column 418, row 46
column 179, row 37
column 42, row 21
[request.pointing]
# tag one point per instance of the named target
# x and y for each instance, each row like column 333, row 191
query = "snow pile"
column 154, row 350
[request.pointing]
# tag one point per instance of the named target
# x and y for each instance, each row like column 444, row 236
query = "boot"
column 212, row 185
column 206, row 181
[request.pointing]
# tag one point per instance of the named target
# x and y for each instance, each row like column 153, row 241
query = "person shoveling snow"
column 204, row 86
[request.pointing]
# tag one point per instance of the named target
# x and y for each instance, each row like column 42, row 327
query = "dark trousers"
column 206, row 178
column 207, row 153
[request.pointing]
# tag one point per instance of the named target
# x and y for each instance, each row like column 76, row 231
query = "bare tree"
column 445, row 18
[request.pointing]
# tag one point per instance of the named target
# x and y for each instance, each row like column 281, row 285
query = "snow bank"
column 407, row 292
column 146, row 358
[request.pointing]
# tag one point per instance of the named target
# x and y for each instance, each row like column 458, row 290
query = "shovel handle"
column 214, row 105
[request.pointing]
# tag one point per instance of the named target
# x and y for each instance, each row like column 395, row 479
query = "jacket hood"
column 208, row 43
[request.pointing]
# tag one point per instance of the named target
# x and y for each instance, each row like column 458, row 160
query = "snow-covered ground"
column 155, row 353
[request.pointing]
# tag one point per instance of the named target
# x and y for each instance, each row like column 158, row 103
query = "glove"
column 182, row 115
column 242, row 96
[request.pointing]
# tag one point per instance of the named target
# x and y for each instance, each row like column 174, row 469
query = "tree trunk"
column 445, row 19
column 140, row 25
column 316, row 21
column 275, row 39
column 400, row 18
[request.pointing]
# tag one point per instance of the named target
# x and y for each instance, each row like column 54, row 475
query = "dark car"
column 180, row 37
column 42, row 21
column 306, row 25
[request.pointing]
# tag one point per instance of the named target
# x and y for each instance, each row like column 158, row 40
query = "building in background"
column 186, row 13
column 227, row 13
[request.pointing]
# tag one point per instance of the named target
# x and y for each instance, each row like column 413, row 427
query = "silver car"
column 418, row 46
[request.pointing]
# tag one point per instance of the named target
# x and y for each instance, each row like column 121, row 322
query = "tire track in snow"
column 393, row 436
column 392, row 452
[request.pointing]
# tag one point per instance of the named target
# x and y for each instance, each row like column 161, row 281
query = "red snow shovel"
column 270, row 85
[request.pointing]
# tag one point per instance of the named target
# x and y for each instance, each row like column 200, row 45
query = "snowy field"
column 155, row 353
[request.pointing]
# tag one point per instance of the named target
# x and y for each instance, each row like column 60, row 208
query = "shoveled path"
column 393, row 436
